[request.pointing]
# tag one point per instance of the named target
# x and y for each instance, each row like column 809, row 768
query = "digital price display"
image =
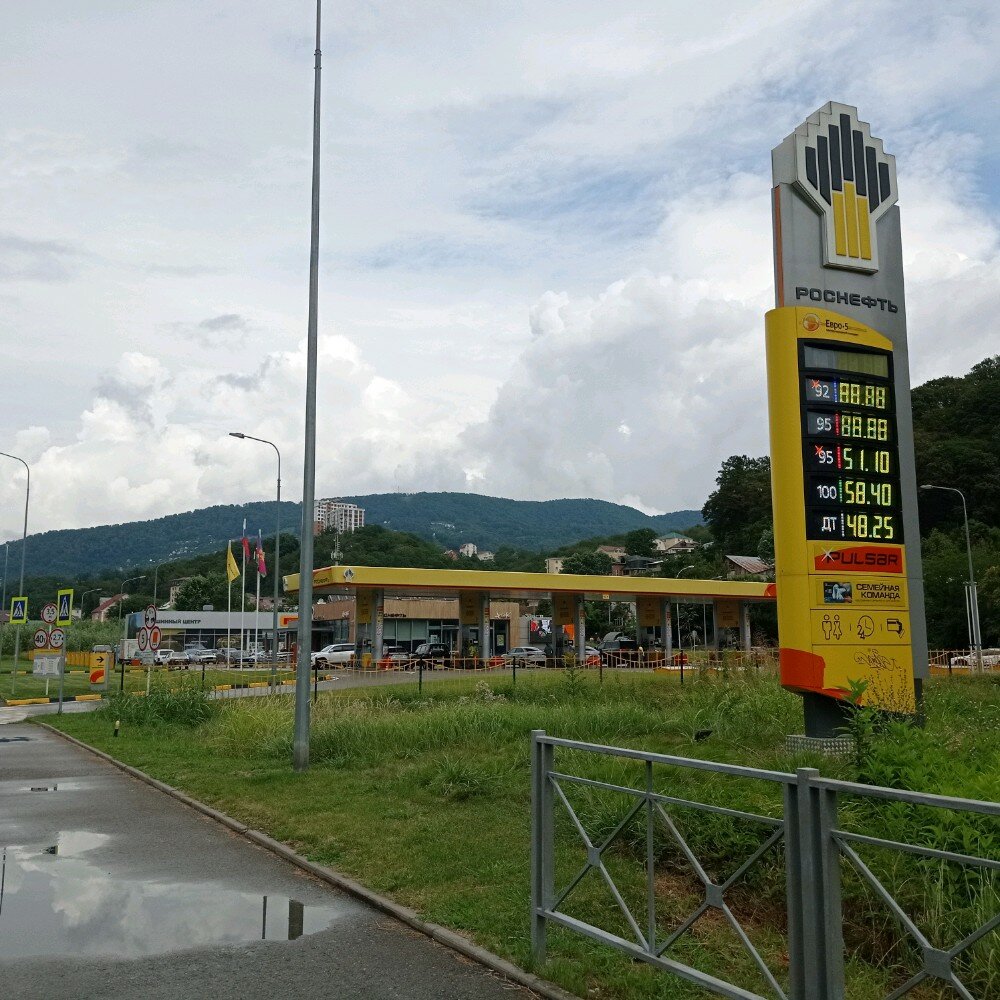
column 843, row 605
column 848, row 426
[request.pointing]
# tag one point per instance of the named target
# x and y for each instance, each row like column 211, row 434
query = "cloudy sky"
column 545, row 237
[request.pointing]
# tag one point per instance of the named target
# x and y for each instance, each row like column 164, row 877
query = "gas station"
column 474, row 590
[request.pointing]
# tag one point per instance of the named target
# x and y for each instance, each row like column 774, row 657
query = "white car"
column 521, row 656
column 338, row 652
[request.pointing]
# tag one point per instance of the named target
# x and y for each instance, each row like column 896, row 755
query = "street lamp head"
column 927, row 486
column 237, row 434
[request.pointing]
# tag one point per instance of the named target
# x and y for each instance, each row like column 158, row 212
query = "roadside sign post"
column 146, row 635
column 18, row 617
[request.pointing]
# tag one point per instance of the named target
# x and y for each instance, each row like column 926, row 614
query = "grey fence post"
column 793, row 894
column 812, row 973
column 829, row 889
column 542, row 841
column 650, row 863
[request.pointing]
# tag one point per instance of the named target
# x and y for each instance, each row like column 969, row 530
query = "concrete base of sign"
column 825, row 717
column 837, row 746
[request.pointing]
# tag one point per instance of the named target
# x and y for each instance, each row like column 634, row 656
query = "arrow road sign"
column 150, row 615
column 65, row 602
column 41, row 638
column 56, row 638
column 154, row 637
column 894, row 625
column 142, row 636
column 18, row 610
column 49, row 613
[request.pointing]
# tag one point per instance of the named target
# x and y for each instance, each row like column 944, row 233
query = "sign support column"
column 485, row 650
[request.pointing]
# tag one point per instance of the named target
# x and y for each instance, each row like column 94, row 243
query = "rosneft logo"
column 810, row 322
column 847, row 175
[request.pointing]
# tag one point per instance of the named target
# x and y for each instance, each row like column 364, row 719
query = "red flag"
column 261, row 565
column 246, row 549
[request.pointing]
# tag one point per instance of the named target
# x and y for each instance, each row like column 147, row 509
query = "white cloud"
column 546, row 239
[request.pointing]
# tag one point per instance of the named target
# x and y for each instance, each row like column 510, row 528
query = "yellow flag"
column 232, row 570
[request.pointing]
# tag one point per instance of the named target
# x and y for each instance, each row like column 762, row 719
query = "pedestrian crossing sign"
column 18, row 610
column 64, row 604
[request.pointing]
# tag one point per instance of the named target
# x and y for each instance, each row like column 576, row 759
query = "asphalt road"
column 111, row 889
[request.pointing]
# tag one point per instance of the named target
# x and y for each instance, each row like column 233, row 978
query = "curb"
column 442, row 935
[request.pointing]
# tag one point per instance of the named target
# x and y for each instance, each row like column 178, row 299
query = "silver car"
column 522, row 656
column 337, row 652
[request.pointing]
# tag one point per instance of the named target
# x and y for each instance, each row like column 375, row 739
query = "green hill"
column 445, row 519
column 491, row 522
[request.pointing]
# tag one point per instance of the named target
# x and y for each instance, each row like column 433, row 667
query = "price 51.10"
column 850, row 458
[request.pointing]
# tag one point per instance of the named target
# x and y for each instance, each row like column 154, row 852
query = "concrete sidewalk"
column 112, row 889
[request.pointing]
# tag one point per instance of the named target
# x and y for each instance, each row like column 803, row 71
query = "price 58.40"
column 848, row 492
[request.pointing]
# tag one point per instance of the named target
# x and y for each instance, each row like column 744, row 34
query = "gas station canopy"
column 396, row 582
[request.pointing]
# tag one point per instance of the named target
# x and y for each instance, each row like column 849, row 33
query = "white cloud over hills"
column 546, row 246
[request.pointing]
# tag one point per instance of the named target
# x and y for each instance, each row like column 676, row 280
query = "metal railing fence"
column 816, row 847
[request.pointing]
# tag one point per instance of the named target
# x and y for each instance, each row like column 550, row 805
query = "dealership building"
column 407, row 622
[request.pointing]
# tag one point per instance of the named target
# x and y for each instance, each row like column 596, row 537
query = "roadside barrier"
column 818, row 842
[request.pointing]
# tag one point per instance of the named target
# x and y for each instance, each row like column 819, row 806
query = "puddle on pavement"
column 55, row 901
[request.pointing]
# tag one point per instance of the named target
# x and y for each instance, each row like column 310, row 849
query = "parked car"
column 203, row 655
column 265, row 656
column 178, row 658
column 618, row 650
column 522, row 656
column 991, row 657
column 394, row 657
column 236, row 657
column 337, row 652
column 427, row 654
column 161, row 657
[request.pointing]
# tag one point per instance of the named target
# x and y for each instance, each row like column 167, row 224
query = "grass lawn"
column 77, row 679
column 427, row 800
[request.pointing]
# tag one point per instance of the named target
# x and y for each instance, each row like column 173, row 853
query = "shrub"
column 187, row 705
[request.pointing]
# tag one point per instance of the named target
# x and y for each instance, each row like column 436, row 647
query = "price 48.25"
column 870, row 527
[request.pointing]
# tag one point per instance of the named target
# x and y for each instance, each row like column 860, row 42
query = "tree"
column 589, row 563
column 208, row 588
column 738, row 511
column 640, row 542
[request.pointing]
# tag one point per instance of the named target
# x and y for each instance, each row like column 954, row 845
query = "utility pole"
column 300, row 740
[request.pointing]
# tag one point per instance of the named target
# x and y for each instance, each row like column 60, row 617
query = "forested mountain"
column 444, row 519
column 492, row 522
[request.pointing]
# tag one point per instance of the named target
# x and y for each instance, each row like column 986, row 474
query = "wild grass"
column 426, row 798
column 185, row 704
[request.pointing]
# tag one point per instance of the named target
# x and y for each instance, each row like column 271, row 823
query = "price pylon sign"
column 843, row 477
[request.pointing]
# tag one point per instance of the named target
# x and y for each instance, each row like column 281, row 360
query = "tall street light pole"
column 131, row 579
column 975, row 638
column 6, row 554
column 276, row 571
column 24, row 546
column 156, row 581
column 83, row 598
column 3, row 597
column 300, row 741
